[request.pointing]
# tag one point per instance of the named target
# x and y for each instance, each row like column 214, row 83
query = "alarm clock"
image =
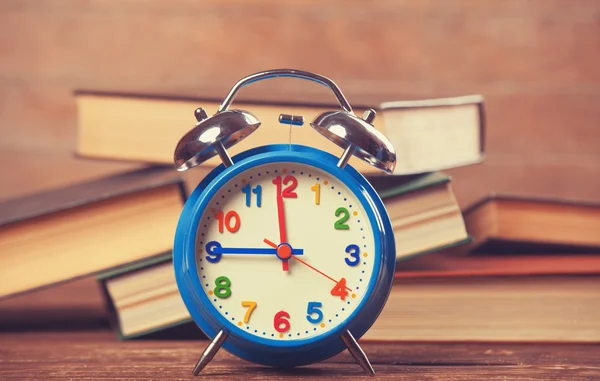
column 284, row 254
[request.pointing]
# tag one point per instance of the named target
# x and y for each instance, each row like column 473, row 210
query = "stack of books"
column 429, row 136
column 65, row 234
column 531, row 273
column 120, row 229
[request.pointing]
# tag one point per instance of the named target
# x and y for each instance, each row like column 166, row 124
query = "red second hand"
column 272, row 244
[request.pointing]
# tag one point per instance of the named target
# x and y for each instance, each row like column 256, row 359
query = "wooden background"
column 537, row 63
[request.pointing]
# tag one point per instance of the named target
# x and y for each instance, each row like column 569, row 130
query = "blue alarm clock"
column 284, row 255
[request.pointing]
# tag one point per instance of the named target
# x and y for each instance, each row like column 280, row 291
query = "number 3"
column 354, row 252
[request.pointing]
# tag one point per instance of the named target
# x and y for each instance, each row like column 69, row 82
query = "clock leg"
column 210, row 352
column 357, row 352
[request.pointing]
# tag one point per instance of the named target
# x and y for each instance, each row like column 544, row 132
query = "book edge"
column 433, row 102
column 424, row 181
column 93, row 273
column 168, row 97
column 527, row 198
column 158, row 179
column 446, row 246
column 144, row 263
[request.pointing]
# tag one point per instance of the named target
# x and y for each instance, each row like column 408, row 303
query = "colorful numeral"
column 288, row 192
column 354, row 252
column 257, row 191
column 317, row 189
column 251, row 306
column 211, row 255
column 231, row 221
column 223, row 287
column 341, row 223
column 280, row 321
column 312, row 309
column 340, row 289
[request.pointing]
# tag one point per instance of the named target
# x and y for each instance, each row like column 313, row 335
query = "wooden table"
column 98, row 355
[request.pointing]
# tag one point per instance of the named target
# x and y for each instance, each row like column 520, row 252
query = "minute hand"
column 215, row 248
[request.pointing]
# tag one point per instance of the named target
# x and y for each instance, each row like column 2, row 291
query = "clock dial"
column 285, row 252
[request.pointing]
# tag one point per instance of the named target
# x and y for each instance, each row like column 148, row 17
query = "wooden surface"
column 97, row 355
column 536, row 63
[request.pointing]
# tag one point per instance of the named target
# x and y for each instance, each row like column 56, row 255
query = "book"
column 435, row 134
column 428, row 135
column 534, row 297
column 535, row 303
column 85, row 228
column 452, row 262
column 424, row 212
column 490, row 308
column 143, row 299
column 512, row 224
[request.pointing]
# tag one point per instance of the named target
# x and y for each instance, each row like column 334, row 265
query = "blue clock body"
column 283, row 353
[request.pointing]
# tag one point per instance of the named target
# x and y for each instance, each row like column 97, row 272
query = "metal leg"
column 220, row 148
column 346, row 156
column 357, row 352
column 210, row 352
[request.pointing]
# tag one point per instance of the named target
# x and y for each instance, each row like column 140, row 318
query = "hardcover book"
column 534, row 302
column 512, row 224
column 79, row 230
column 428, row 135
column 143, row 301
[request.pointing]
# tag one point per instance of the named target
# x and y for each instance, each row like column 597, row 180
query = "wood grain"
column 97, row 355
column 407, row 40
column 536, row 63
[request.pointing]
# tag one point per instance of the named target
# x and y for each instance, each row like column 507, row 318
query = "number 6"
column 280, row 322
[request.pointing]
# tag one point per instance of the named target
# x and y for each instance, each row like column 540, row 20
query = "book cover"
column 75, row 231
column 182, row 329
column 391, row 186
column 513, row 224
column 416, row 129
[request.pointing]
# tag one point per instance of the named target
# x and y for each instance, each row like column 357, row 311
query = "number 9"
column 213, row 251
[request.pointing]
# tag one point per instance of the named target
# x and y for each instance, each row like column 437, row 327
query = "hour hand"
column 214, row 250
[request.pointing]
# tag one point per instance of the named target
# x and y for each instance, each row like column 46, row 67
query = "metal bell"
column 212, row 136
column 357, row 137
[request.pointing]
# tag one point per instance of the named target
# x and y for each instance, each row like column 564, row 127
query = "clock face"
column 285, row 252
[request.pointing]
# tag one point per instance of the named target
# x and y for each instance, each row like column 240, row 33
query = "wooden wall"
column 537, row 63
